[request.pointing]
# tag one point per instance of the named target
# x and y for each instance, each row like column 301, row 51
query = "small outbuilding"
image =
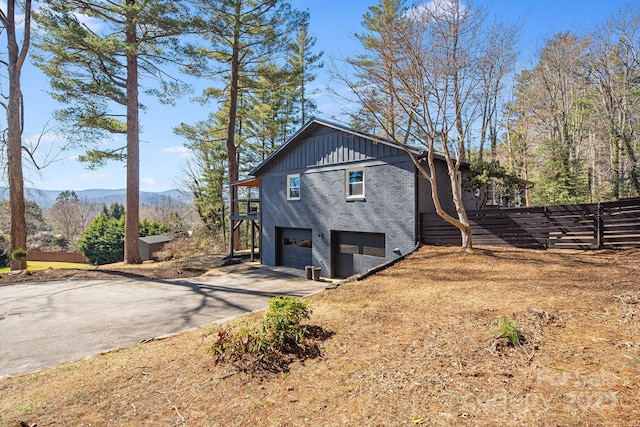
column 149, row 245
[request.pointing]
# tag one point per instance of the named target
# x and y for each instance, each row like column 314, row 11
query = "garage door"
column 355, row 253
column 294, row 247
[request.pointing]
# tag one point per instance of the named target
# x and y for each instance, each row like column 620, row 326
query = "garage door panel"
column 294, row 247
column 356, row 253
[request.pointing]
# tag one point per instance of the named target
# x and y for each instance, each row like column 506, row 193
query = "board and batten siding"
column 329, row 148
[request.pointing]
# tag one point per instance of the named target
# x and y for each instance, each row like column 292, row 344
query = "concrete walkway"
column 47, row 323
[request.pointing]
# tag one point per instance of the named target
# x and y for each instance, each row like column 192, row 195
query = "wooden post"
column 599, row 227
column 231, row 224
column 253, row 240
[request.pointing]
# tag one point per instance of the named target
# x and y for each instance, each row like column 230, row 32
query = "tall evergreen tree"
column 303, row 63
column 379, row 40
column 205, row 171
column 241, row 35
column 94, row 68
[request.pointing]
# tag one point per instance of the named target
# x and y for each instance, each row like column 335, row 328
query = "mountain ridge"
column 46, row 198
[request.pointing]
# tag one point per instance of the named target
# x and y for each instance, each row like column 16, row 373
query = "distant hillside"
column 46, row 198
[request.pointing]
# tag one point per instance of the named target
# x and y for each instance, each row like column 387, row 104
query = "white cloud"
column 176, row 149
column 93, row 24
column 147, row 181
column 181, row 151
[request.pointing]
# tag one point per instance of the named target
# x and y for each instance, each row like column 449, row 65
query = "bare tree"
column 614, row 60
column 438, row 53
column 71, row 216
column 494, row 72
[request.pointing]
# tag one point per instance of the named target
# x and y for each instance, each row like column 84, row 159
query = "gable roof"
column 313, row 124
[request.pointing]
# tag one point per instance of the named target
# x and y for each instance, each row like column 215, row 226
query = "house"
column 151, row 244
column 343, row 200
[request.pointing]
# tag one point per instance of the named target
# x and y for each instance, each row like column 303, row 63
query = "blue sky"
column 333, row 22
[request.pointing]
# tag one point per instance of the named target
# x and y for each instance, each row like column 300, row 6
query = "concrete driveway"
column 46, row 323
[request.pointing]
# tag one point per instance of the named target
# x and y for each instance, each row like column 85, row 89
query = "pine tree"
column 241, row 35
column 95, row 72
column 302, row 63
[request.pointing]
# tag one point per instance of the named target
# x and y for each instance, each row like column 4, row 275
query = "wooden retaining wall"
column 586, row 226
column 33, row 255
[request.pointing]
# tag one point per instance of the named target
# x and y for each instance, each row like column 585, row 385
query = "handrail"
column 246, row 207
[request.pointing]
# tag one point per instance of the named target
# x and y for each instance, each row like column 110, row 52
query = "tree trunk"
column 462, row 222
column 232, row 151
column 15, row 123
column 131, row 245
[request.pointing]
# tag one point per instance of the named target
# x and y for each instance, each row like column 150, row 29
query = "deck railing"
column 246, row 209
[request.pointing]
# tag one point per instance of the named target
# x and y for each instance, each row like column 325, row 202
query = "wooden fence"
column 587, row 226
column 33, row 255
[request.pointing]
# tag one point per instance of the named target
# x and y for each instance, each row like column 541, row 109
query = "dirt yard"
column 413, row 345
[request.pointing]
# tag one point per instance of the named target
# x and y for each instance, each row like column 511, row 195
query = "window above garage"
column 293, row 187
column 354, row 182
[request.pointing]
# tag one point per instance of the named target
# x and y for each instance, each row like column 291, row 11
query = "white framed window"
column 293, row 186
column 354, row 181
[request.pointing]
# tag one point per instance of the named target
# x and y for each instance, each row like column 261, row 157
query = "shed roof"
column 160, row 238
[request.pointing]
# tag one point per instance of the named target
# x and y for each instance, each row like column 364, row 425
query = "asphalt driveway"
column 47, row 323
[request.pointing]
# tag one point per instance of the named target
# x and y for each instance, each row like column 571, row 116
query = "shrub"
column 267, row 343
column 509, row 332
column 103, row 241
column 20, row 255
column 282, row 321
column 61, row 242
column 4, row 250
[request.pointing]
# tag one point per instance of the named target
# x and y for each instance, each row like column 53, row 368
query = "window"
column 293, row 187
column 373, row 251
column 306, row 244
column 355, row 183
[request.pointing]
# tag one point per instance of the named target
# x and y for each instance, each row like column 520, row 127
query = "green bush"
column 265, row 344
column 282, row 322
column 19, row 254
column 148, row 228
column 103, row 241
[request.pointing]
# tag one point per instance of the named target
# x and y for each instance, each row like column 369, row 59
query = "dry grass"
column 172, row 269
column 415, row 344
column 44, row 265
